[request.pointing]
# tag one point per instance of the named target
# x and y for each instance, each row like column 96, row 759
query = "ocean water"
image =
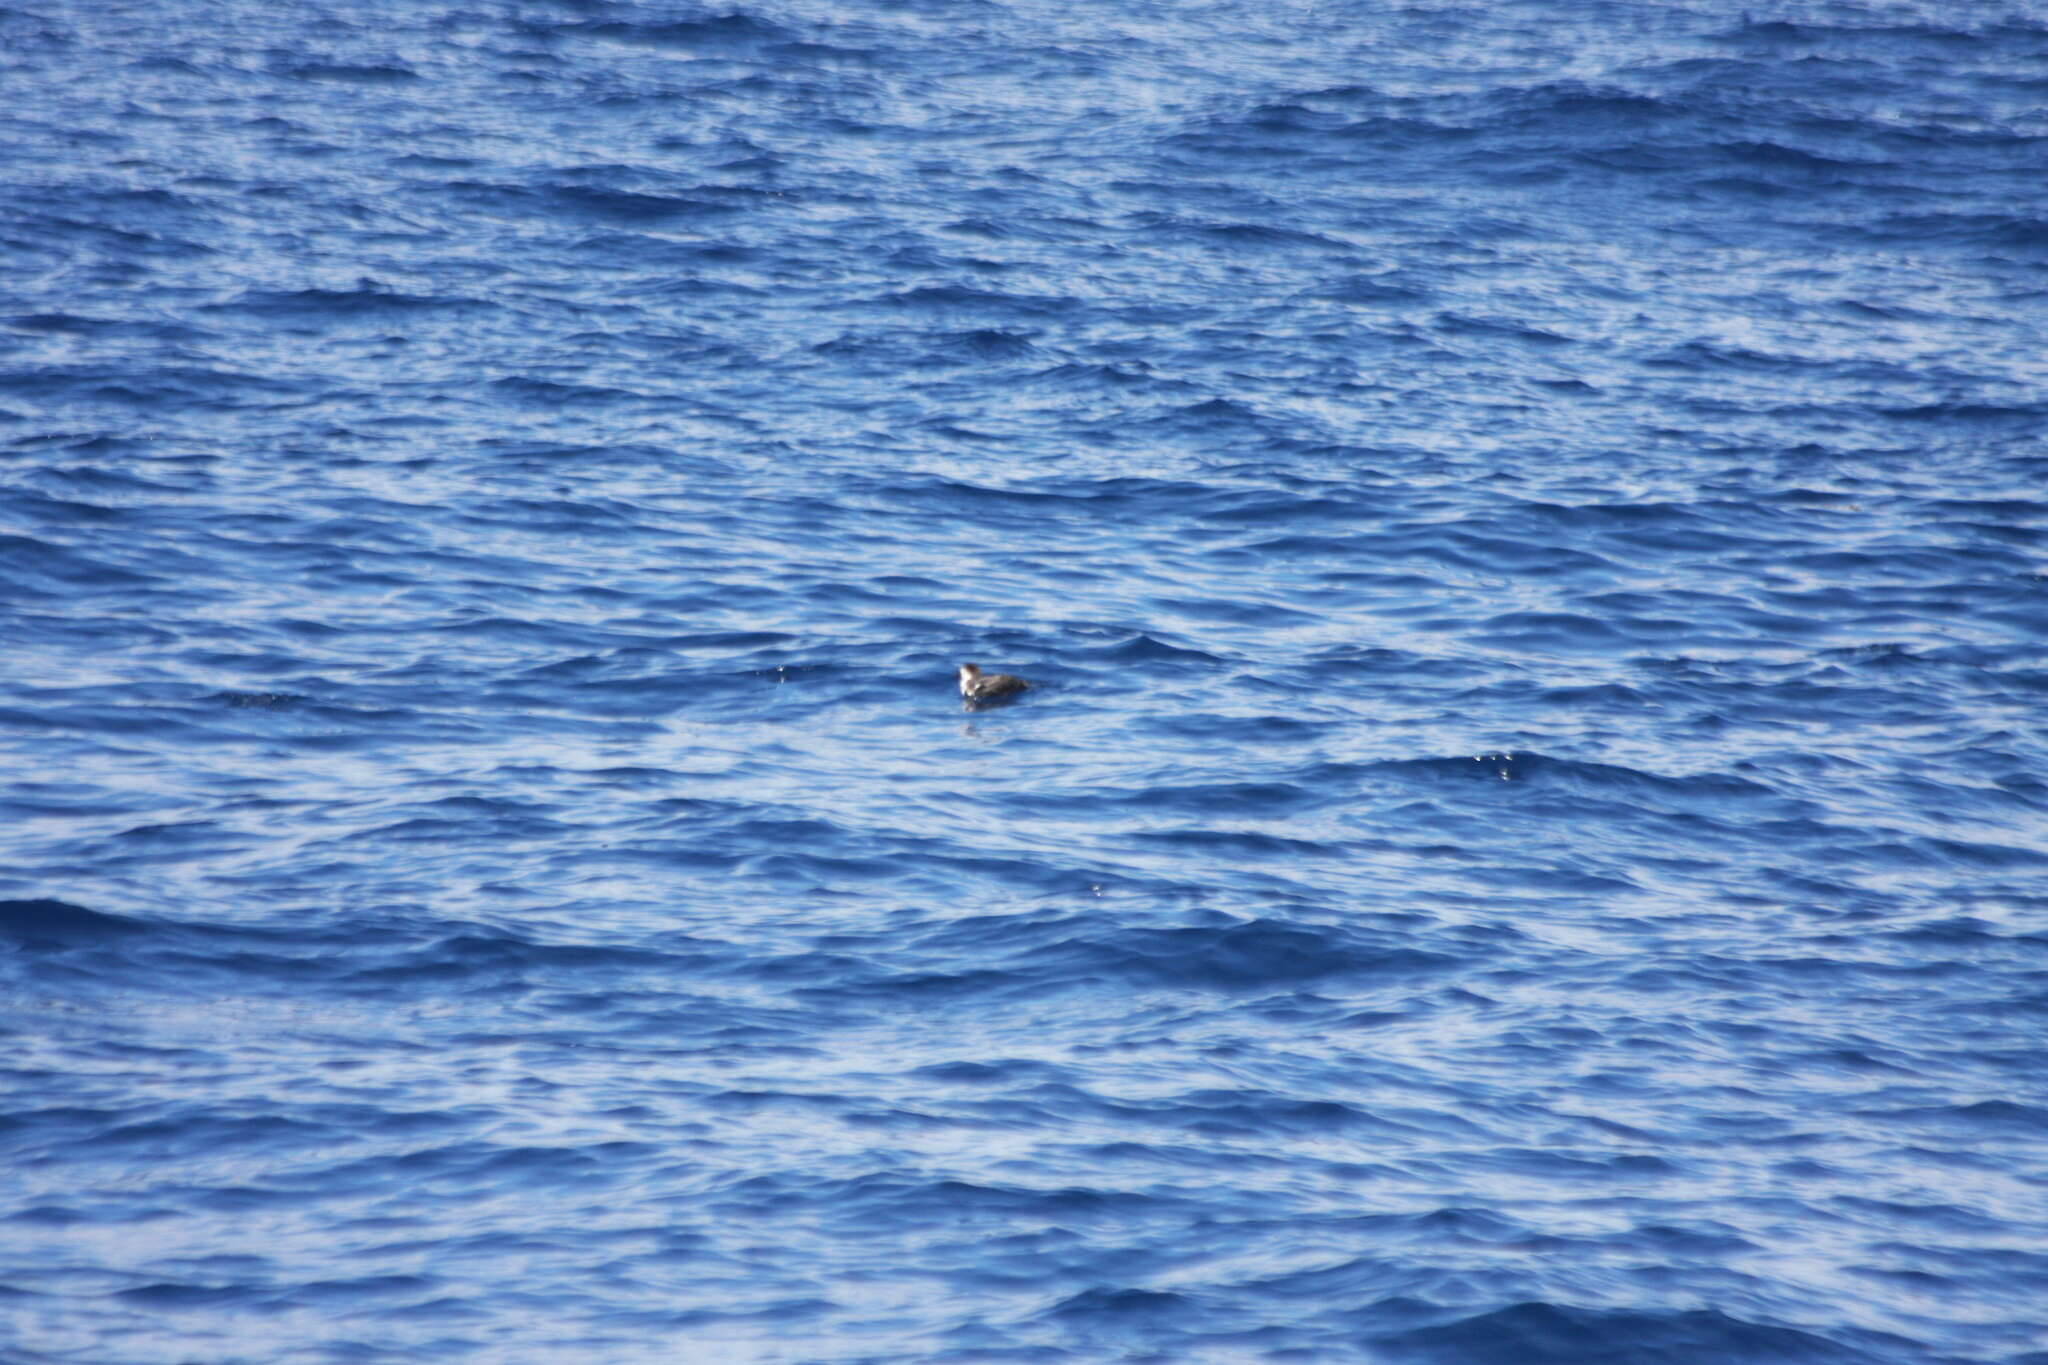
column 1529, row 843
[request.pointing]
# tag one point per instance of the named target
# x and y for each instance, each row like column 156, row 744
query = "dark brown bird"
column 979, row 687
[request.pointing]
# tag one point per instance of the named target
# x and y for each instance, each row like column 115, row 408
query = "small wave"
column 947, row 298
column 2028, row 414
column 1111, row 377
column 583, row 203
column 45, row 569
column 1256, row 954
column 55, row 923
column 1526, row 767
column 351, row 959
column 1119, row 1305
column 726, row 32
column 379, row 74
column 74, row 324
column 1552, row 1334
column 1463, row 324
column 1235, row 235
column 366, row 300
column 553, row 392
column 1371, row 291
column 988, row 343
column 1141, row 648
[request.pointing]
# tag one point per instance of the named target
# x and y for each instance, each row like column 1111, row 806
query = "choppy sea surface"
column 1529, row 844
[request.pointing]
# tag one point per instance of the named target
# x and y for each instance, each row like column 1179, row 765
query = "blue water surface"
column 1529, row 843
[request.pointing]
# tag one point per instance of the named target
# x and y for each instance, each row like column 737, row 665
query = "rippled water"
column 1526, row 521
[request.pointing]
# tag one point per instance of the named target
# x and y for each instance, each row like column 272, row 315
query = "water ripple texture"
column 1527, row 843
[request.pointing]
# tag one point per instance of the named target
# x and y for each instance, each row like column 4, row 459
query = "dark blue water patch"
column 726, row 33
column 1554, row 1333
column 1525, row 767
column 368, row 301
column 44, row 924
column 1241, row 956
column 349, row 74
column 196, row 957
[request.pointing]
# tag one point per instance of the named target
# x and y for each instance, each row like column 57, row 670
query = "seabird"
column 979, row 687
